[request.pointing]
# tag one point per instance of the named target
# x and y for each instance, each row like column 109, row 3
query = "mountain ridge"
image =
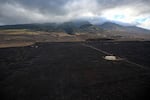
column 116, row 27
column 107, row 29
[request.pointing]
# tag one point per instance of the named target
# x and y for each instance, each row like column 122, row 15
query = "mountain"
column 79, row 23
column 90, row 28
column 67, row 27
column 35, row 27
column 78, row 26
column 119, row 28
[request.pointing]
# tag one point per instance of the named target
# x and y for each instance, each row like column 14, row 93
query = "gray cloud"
column 37, row 11
column 54, row 7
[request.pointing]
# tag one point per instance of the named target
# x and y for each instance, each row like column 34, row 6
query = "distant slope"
column 36, row 27
column 87, row 30
column 67, row 27
column 129, row 29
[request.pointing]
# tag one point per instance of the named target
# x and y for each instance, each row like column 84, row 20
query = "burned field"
column 135, row 51
column 72, row 71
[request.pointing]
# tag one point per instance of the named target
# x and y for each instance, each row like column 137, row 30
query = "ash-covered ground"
column 72, row 71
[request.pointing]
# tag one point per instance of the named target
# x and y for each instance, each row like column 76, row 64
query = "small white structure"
column 110, row 58
column 36, row 46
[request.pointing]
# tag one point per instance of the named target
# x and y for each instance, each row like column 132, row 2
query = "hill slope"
column 129, row 29
column 77, row 30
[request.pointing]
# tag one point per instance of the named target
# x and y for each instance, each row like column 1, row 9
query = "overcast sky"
column 135, row 12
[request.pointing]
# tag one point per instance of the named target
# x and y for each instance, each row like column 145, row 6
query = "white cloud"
column 145, row 23
column 128, row 14
column 82, row 8
column 124, row 14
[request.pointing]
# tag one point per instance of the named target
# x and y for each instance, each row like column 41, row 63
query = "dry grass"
column 15, row 44
column 19, row 32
